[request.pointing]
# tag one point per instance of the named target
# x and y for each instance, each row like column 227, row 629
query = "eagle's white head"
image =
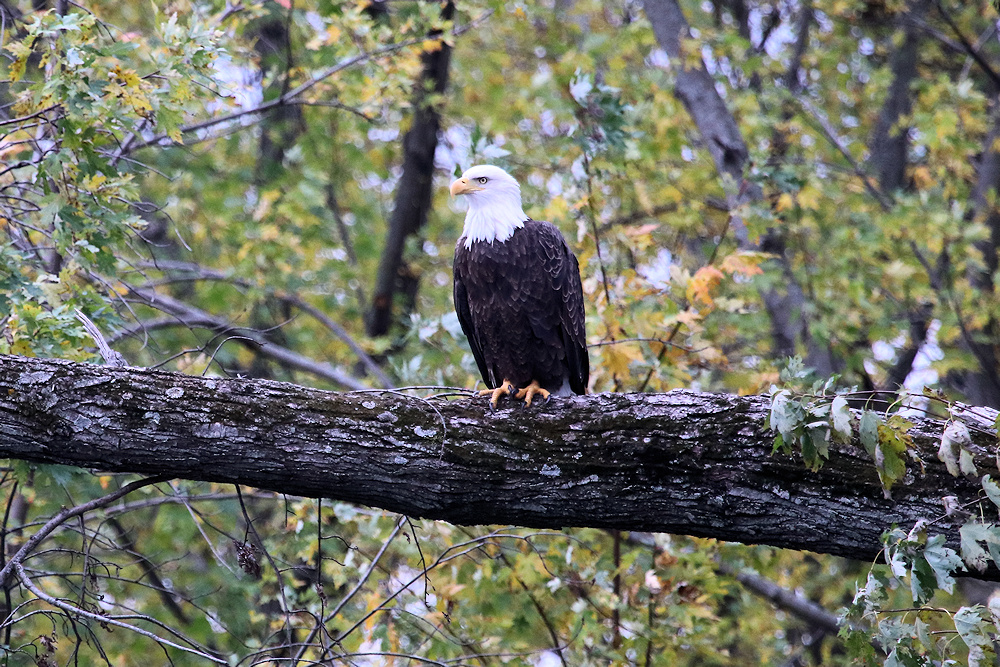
column 494, row 204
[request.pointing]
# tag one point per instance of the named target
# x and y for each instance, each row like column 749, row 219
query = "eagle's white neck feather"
column 494, row 212
column 494, row 222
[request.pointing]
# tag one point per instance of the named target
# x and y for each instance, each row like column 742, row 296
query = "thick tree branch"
column 681, row 462
column 695, row 88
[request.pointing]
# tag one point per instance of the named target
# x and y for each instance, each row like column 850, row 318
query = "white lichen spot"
column 368, row 404
column 37, row 377
column 210, row 384
column 646, row 441
column 90, row 382
column 400, row 460
column 127, row 396
column 550, row 470
column 590, row 479
column 152, row 417
column 81, row 423
column 388, row 417
column 216, row 430
column 293, row 406
column 424, row 432
column 175, row 392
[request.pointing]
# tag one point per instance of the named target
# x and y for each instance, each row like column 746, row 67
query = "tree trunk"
column 889, row 141
column 415, row 188
column 681, row 462
column 721, row 135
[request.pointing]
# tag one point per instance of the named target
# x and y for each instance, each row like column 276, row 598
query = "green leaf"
column 60, row 474
column 992, row 490
column 786, row 414
column 970, row 626
column 868, row 430
column 943, row 561
column 971, row 534
column 840, row 415
column 966, row 463
column 954, row 442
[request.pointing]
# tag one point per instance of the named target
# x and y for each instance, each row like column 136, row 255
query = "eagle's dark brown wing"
column 564, row 274
column 464, row 313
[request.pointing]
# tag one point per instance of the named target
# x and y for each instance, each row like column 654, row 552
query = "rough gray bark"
column 681, row 462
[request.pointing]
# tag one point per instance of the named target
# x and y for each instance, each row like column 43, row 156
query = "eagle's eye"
column 482, row 179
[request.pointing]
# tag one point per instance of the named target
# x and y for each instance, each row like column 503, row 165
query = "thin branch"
column 251, row 339
column 884, row 200
column 107, row 620
column 68, row 513
column 289, row 97
column 967, row 47
column 197, row 272
column 347, row 598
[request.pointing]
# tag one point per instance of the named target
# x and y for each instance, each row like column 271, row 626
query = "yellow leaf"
column 22, row 348
column 16, row 70
column 431, row 45
column 104, row 480
column 175, row 136
column 94, row 182
column 688, row 317
column 809, row 198
column 922, row 177
column 785, row 202
column 263, row 208
column 641, row 230
column 744, row 263
column 618, row 358
column 557, row 209
column 702, row 283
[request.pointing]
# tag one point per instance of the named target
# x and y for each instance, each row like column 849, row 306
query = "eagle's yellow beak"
column 463, row 187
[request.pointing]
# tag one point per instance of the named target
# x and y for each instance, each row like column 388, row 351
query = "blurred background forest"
column 260, row 188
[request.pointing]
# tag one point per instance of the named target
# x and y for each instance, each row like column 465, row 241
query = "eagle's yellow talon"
column 505, row 388
column 531, row 391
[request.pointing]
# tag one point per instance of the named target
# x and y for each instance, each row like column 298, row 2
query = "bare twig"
column 108, row 620
column 111, row 357
column 884, row 200
column 195, row 317
column 68, row 513
column 289, row 96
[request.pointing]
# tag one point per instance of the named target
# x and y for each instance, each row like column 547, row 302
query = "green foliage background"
column 132, row 160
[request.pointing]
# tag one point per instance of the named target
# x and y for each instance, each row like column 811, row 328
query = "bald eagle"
column 517, row 293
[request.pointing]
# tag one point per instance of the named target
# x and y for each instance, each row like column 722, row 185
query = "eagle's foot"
column 531, row 391
column 506, row 387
